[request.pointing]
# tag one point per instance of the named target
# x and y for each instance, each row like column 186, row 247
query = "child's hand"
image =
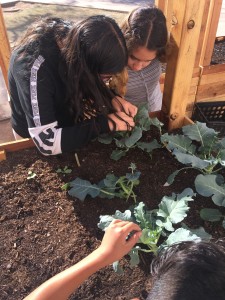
column 122, row 105
column 115, row 243
column 120, row 121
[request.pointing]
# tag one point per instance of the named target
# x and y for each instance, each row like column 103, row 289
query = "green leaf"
column 67, row 170
column 149, row 147
column 211, row 214
column 81, row 188
column 105, row 221
column 179, row 142
column 195, row 161
column 180, row 235
column 171, row 178
column 117, row 154
column 140, row 215
column 135, row 136
column 207, row 185
column 105, row 139
column 133, row 176
column 142, row 114
column 110, row 180
column 172, row 211
column 200, row 132
column 200, row 232
column 150, row 237
column 65, row 187
column 156, row 122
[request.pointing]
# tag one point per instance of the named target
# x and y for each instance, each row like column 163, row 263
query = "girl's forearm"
column 62, row 285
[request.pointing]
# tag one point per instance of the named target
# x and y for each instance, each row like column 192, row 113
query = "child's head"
column 190, row 271
column 94, row 50
column 146, row 36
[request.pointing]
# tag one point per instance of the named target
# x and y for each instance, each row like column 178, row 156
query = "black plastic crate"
column 211, row 113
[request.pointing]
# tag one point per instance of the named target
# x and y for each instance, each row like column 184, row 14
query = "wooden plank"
column 181, row 63
column 212, row 78
column 213, row 69
column 17, row 145
column 2, row 155
column 213, row 25
column 211, row 91
column 219, row 98
column 4, row 49
column 203, row 32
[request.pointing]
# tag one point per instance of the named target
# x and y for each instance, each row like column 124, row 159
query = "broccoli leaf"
column 81, row 188
column 200, row 132
column 149, row 147
column 207, row 185
column 172, row 211
column 211, row 214
column 179, row 142
column 135, row 136
column 117, row 154
column 180, row 235
column 195, row 161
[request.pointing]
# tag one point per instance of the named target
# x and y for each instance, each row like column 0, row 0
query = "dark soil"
column 44, row 230
column 218, row 56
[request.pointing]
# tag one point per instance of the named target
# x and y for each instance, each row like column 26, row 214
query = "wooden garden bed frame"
column 189, row 76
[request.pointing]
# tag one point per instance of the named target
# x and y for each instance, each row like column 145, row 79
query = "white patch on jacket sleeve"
column 47, row 138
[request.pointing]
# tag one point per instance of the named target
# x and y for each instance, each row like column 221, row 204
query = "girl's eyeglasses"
column 106, row 78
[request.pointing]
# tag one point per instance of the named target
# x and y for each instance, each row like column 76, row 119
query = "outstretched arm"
column 113, row 247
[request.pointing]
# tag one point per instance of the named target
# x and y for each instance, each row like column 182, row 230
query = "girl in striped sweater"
column 146, row 38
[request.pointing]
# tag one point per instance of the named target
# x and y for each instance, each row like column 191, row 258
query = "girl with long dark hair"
column 58, row 83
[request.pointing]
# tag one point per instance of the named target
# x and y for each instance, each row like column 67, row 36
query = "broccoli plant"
column 109, row 187
column 131, row 139
column 155, row 224
column 199, row 147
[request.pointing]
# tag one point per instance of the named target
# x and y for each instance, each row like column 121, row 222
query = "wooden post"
column 211, row 28
column 184, row 35
column 4, row 49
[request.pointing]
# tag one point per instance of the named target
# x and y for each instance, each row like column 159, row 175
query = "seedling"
column 64, row 171
column 109, row 187
column 31, row 175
